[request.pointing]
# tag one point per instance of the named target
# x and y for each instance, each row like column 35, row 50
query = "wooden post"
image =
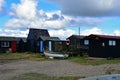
column 79, row 40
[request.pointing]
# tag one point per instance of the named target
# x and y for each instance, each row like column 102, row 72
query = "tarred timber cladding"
column 14, row 48
column 99, row 46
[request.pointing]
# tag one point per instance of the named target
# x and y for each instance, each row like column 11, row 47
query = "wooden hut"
column 78, row 45
column 39, row 40
column 103, row 45
column 33, row 36
column 8, row 44
column 47, row 43
column 21, row 44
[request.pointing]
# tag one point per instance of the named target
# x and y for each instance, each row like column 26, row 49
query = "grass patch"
column 9, row 57
column 88, row 61
column 38, row 76
column 5, row 57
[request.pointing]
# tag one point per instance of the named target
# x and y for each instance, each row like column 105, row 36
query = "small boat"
column 104, row 77
column 55, row 55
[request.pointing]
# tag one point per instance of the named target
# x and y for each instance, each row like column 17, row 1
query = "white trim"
column 112, row 43
column 5, row 44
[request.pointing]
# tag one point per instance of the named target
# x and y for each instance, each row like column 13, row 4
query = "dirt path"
column 55, row 68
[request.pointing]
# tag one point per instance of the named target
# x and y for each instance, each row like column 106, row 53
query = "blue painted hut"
column 47, row 43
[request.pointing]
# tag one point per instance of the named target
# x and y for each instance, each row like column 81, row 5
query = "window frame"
column 112, row 43
column 5, row 44
column 86, row 42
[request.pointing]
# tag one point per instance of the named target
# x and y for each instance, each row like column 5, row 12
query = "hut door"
column 13, row 46
column 50, row 46
column 41, row 46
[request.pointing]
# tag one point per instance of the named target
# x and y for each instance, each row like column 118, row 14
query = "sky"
column 62, row 18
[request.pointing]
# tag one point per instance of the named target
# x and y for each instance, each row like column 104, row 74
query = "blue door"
column 41, row 46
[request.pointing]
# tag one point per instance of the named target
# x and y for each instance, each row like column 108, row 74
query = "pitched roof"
column 22, row 38
column 106, row 36
column 77, row 36
column 44, row 38
column 6, row 38
column 38, row 32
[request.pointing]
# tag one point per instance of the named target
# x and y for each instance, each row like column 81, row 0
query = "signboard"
column 67, row 42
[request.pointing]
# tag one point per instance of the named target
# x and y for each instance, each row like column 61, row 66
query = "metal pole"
column 79, row 31
column 79, row 40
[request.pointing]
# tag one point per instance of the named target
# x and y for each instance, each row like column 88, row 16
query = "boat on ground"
column 56, row 55
column 104, row 77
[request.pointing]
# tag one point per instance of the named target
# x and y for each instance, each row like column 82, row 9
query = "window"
column 103, row 44
column 5, row 44
column 112, row 42
column 86, row 42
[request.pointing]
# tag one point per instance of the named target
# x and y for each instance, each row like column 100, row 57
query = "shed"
column 47, row 43
column 8, row 44
column 22, row 44
column 78, row 45
column 33, row 36
column 103, row 45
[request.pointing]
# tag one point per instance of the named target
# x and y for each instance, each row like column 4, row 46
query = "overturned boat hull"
column 55, row 55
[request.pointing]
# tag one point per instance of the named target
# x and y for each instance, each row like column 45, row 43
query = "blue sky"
column 62, row 18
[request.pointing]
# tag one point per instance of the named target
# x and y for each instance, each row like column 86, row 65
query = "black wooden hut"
column 39, row 40
column 33, row 36
column 21, row 44
column 103, row 45
column 12, row 44
column 78, row 45
column 8, row 44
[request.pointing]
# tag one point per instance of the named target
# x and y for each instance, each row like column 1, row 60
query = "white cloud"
column 57, row 24
column 86, row 21
column 53, row 20
column 27, row 9
column 2, row 2
column 116, row 33
column 63, row 34
column 26, row 15
column 94, row 30
column 89, row 7
column 17, row 23
column 14, row 33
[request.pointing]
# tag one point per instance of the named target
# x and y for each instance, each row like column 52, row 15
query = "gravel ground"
column 55, row 68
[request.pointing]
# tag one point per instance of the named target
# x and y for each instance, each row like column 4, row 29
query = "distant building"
column 10, row 44
column 33, row 36
column 103, row 45
column 78, row 44
column 48, row 43
column 39, row 40
column 21, row 44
